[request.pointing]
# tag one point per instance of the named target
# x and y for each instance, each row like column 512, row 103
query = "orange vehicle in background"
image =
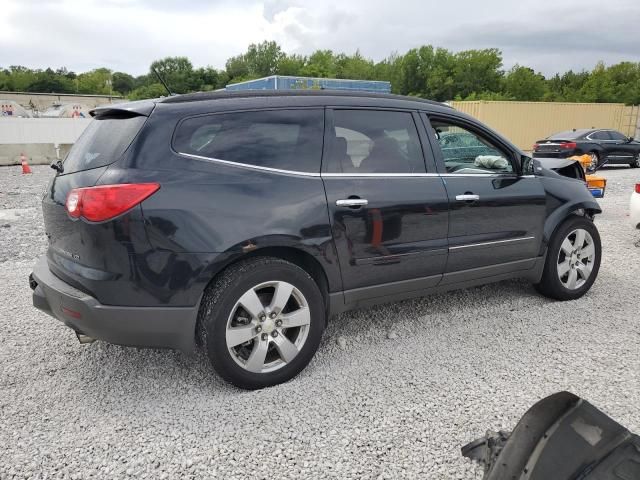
column 595, row 183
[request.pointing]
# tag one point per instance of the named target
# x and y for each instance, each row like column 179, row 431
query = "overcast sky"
column 127, row 35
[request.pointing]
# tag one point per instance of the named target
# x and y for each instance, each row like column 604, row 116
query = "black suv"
column 243, row 221
column 602, row 145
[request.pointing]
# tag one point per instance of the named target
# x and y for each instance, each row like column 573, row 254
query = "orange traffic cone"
column 25, row 165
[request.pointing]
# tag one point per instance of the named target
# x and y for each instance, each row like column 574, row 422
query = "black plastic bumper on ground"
column 163, row 327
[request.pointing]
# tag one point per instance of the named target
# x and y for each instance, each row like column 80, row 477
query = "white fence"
column 27, row 131
column 40, row 139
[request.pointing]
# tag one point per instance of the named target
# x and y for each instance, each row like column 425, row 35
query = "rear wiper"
column 57, row 166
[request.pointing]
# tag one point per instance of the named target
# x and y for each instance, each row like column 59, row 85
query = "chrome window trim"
column 347, row 175
column 588, row 137
column 251, row 167
column 510, row 240
column 377, row 175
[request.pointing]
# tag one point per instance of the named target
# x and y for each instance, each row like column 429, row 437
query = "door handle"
column 352, row 202
column 467, row 197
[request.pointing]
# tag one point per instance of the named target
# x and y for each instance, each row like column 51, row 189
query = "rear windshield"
column 103, row 142
column 567, row 135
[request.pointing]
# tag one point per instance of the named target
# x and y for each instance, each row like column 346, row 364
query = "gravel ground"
column 393, row 392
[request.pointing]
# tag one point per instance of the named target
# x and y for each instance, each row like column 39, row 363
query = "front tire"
column 261, row 322
column 573, row 260
column 635, row 163
column 595, row 161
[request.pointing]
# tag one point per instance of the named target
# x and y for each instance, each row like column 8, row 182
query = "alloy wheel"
column 268, row 326
column 594, row 161
column 576, row 259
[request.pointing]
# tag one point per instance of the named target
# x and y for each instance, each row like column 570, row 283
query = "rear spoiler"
column 129, row 109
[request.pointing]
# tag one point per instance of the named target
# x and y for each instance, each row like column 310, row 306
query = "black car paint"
column 608, row 151
column 207, row 215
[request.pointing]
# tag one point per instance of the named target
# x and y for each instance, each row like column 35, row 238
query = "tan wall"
column 42, row 101
column 525, row 122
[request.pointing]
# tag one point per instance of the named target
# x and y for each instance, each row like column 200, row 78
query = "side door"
column 621, row 150
column 603, row 139
column 388, row 214
column 496, row 215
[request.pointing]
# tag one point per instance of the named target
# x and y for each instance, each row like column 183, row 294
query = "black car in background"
column 603, row 145
column 244, row 221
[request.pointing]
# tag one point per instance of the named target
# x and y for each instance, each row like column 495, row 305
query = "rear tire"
column 261, row 322
column 573, row 260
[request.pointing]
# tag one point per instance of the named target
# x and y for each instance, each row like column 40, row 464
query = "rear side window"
column 102, row 143
column 371, row 141
column 282, row 139
column 602, row 135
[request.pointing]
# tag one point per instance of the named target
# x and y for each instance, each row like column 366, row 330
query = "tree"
column 320, row 63
column 122, row 82
column 95, row 82
column 522, row 83
column 237, row 68
column 291, row 64
column 177, row 73
column 262, row 59
column 354, row 66
column 477, row 71
column 154, row 90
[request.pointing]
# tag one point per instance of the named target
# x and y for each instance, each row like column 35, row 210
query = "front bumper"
column 634, row 210
column 156, row 327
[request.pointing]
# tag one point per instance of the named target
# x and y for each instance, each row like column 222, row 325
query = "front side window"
column 467, row 152
column 617, row 136
column 282, row 139
column 374, row 141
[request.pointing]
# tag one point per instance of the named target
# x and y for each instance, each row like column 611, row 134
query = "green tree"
column 237, row 68
column 291, row 65
column 522, row 83
column 122, row 82
column 477, row 71
column 597, row 88
column 354, row 67
column 262, row 59
column 95, row 82
column 154, row 90
column 177, row 72
column 321, row 63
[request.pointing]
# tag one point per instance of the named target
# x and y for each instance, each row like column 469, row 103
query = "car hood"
column 564, row 167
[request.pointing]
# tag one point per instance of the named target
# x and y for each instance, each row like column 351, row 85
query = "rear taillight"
column 568, row 145
column 536, row 146
column 637, row 187
column 104, row 202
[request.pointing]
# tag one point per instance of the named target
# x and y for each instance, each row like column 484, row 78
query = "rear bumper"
column 159, row 327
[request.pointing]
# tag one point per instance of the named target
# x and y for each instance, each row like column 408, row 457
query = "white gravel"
column 394, row 391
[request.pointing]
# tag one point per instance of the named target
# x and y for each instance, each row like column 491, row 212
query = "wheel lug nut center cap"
column 269, row 325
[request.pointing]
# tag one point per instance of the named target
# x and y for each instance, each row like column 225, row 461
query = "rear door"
column 388, row 213
column 496, row 215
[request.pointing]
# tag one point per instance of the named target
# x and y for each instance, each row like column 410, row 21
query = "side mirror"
column 526, row 165
column 630, row 139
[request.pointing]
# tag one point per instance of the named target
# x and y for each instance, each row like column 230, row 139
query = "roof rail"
column 222, row 94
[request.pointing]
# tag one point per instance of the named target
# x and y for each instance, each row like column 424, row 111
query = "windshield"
column 103, row 142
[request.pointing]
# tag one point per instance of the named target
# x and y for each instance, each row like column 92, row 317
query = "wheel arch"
column 580, row 208
column 296, row 256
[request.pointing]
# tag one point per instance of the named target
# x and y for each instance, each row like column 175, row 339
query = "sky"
column 127, row 35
